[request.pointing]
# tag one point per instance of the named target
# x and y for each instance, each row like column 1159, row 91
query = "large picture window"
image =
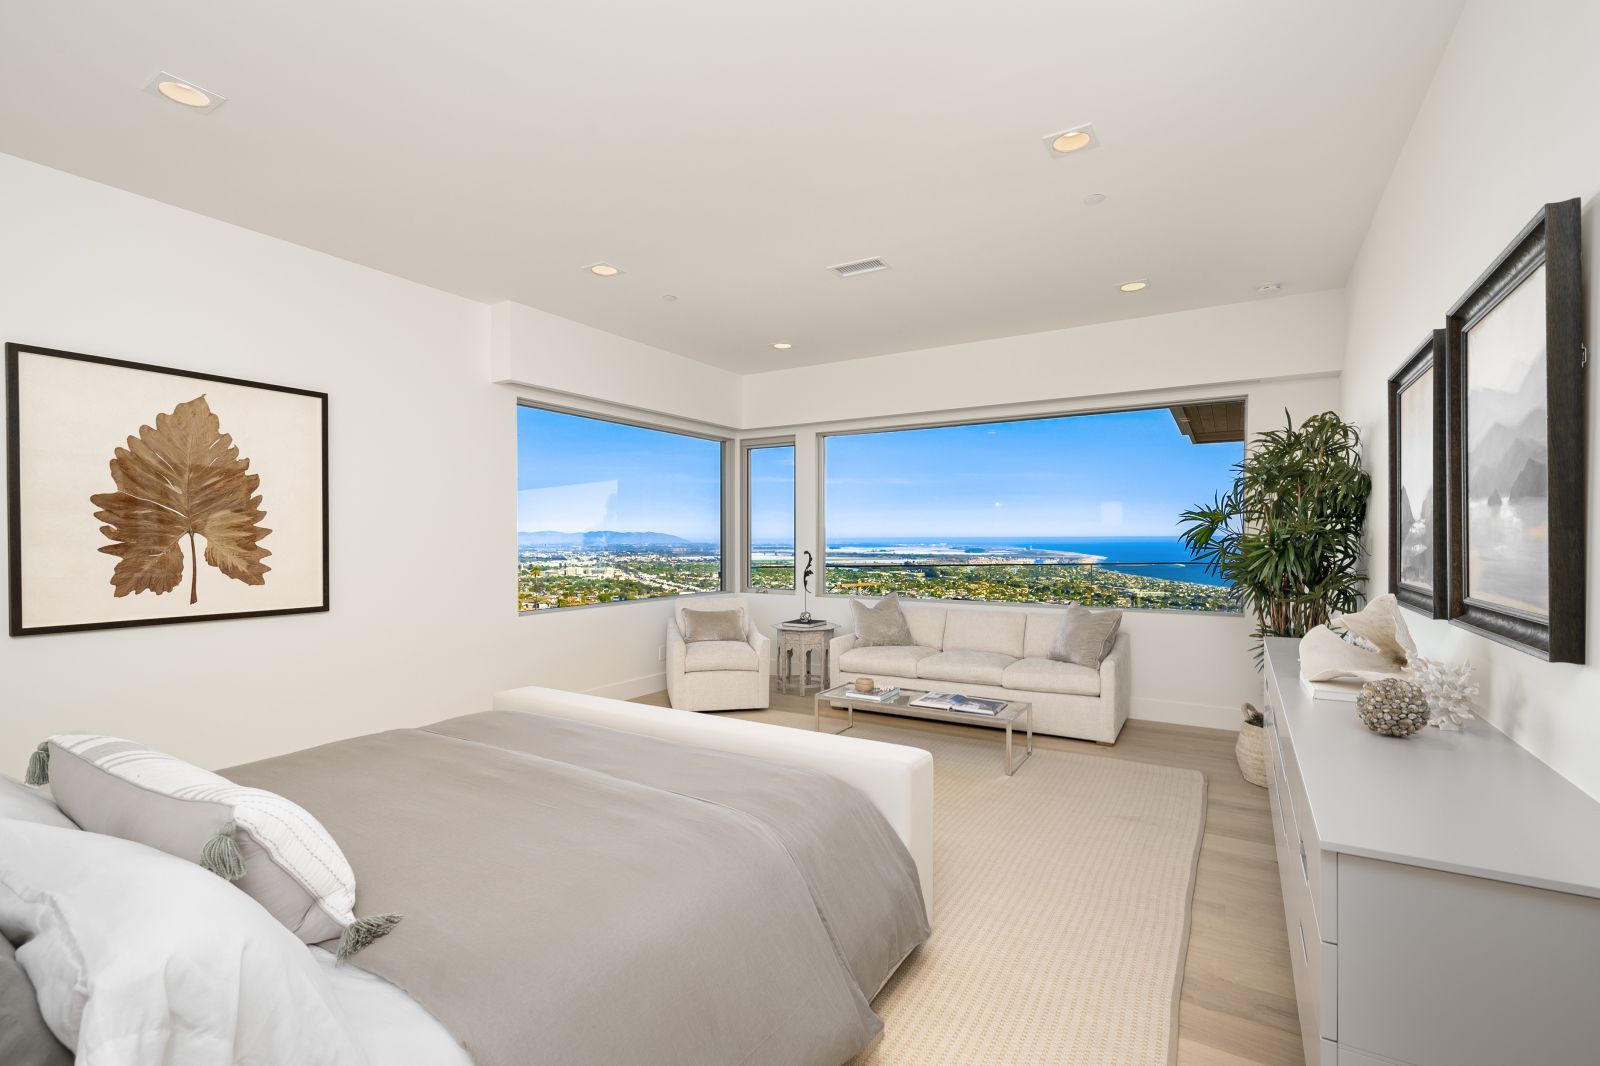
column 769, row 526
column 1080, row 508
column 609, row 512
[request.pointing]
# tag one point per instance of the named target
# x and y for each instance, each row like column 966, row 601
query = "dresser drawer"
column 1316, row 867
column 1315, row 966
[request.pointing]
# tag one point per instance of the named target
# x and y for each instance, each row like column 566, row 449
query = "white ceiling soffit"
column 729, row 153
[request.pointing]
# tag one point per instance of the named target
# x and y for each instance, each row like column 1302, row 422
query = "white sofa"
column 1001, row 652
column 718, row 675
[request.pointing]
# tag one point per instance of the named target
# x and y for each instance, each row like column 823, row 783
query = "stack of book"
column 877, row 695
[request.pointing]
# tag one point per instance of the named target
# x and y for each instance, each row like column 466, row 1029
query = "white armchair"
column 718, row 675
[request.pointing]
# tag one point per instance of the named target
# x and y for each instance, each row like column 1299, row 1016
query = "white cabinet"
column 1442, row 893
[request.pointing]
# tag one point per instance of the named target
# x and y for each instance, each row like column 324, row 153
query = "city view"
column 610, row 512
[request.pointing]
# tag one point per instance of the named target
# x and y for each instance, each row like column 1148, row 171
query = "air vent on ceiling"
column 860, row 266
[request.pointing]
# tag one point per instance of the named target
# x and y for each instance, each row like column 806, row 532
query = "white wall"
column 1187, row 668
column 423, row 481
column 535, row 349
column 1508, row 124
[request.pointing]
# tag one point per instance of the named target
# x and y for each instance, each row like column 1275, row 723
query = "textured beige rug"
column 1061, row 910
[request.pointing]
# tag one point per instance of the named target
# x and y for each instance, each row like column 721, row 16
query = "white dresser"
column 1442, row 892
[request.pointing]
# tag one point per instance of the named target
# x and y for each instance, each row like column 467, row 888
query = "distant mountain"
column 596, row 538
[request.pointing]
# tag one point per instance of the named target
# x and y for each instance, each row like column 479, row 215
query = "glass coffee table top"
column 1009, row 715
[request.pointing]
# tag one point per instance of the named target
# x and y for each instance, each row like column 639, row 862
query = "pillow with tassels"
column 268, row 846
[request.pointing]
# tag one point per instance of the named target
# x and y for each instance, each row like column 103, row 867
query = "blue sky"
column 576, row 474
column 1127, row 473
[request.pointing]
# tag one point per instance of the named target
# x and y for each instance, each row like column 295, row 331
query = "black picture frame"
column 1434, row 601
column 1552, row 240
column 17, row 564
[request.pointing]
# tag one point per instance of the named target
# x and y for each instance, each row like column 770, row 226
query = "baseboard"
column 633, row 688
column 1175, row 712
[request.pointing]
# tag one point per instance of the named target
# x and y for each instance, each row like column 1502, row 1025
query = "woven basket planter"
column 1251, row 751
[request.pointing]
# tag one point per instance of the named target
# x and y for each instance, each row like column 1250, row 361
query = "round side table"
column 799, row 642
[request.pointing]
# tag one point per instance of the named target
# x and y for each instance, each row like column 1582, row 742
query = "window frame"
column 823, row 436
column 746, row 519
column 725, row 473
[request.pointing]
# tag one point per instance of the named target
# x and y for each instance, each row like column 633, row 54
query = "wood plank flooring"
column 1237, row 1007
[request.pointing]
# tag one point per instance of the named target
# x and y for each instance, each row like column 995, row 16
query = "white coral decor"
column 1448, row 688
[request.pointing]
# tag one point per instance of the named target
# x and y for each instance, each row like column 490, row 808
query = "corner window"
column 769, row 522
column 609, row 511
column 1077, row 508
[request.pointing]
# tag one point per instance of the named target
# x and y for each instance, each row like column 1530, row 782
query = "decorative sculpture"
column 1392, row 707
column 1449, row 689
column 1369, row 645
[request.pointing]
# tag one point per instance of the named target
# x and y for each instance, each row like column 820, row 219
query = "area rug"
column 1061, row 910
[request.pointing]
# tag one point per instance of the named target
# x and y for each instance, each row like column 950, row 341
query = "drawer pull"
column 1305, row 869
column 1304, row 954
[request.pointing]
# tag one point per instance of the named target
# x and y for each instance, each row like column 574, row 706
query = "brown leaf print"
column 183, row 477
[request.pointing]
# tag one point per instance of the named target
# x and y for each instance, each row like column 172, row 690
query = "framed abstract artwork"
column 1517, row 443
column 1419, row 564
column 141, row 495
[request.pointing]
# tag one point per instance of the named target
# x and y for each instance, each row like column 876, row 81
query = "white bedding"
column 391, row 1027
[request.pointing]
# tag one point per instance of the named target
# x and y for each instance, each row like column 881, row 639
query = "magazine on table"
column 877, row 695
column 951, row 701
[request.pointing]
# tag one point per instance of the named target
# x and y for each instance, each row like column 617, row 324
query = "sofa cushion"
column 705, row 655
column 926, row 622
column 881, row 624
column 1086, row 636
column 892, row 661
column 1043, row 628
column 985, row 629
column 974, row 667
column 1048, row 675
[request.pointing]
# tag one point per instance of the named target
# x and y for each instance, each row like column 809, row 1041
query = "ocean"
column 1164, row 557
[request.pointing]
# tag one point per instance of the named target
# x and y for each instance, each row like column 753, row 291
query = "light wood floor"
column 1237, row 1007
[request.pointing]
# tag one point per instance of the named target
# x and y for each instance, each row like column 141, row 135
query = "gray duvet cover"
column 574, row 894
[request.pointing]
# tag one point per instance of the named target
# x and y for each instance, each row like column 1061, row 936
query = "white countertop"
column 1473, row 802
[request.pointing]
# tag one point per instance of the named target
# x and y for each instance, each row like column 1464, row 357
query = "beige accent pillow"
column 881, row 625
column 712, row 625
column 1086, row 636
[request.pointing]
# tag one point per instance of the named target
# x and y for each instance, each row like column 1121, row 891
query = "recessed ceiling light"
column 1269, row 288
column 783, row 346
column 1134, row 286
column 603, row 270
column 185, row 92
column 1071, row 141
column 668, row 297
column 1094, row 199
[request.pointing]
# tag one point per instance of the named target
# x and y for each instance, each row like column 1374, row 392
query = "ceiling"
column 727, row 152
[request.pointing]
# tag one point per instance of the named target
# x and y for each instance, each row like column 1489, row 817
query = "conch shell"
column 1377, row 645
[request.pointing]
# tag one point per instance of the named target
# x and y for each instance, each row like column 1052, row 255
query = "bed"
column 586, row 880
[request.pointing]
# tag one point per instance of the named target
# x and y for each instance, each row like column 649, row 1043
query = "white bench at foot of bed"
column 897, row 779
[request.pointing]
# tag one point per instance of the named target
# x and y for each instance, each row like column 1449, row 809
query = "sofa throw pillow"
column 24, row 1037
column 882, row 624
column 270, row 847
column 712, row 625
column 1086, row 636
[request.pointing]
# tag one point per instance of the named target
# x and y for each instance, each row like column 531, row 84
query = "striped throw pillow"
column 269, row 846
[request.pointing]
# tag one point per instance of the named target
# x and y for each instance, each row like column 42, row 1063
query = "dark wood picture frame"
column 1434, row 602
column 1552, row 240
column 17, row 572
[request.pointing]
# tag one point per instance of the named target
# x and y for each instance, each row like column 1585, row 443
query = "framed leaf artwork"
column 1518, row 444
column 1419, row 564
column 142, row 495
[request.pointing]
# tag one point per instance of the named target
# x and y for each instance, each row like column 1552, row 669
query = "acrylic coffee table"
column 1007, row 717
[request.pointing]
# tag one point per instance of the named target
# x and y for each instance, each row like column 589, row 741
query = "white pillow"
column 139, row 958
column 271, row 847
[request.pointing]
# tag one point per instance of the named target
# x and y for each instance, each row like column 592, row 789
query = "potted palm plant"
column 1287, row 535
